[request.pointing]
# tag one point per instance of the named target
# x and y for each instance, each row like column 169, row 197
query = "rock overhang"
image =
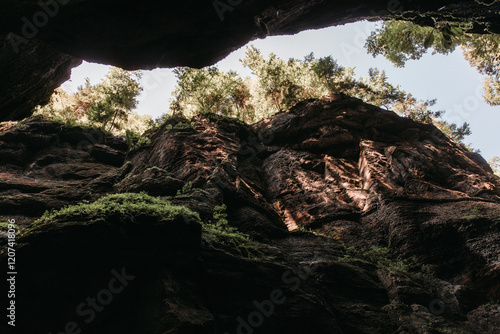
column 45, row 39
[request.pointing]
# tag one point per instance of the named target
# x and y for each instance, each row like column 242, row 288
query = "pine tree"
column 278, row 85
column 117, row 98
column 400, row 41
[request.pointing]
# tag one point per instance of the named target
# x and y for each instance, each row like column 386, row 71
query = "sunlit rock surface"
column 343, row 203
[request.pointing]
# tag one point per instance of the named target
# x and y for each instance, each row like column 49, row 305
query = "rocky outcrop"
column 340, row 217
column 29, row 76
column 199, row 33
column 136, row 35
column 45, row 166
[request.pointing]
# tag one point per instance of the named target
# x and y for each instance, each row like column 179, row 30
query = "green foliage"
column 135, row 140
column 303, row 229
column 483, row 52
column 220, row 214
column 380, row 256
column 107, row 105
column 120, row 209
column 478, row 214
column 400, row 41
column 383, row 259
column 183, row 126
column 220, row 236
column 134, row 208
column 453, row 131
column 490, row 303
column 4, row 226
column 209, row 90
column 492, row 90
column 495, row 164
column 186, row 189
column 118, row 93
column 279, row 85
column 62, row 108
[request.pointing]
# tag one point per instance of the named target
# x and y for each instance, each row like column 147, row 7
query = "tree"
column 335, row 78
column 117, row 97
column 85, row 96
column 278, row 85
column 281, row 84
column 60, row 107
column 400, row 41
column 419, row 111
column 495, row 164
column 377, row 90
column 483, row 53
column 209, row 90
column 492, row 91
column 108, row 104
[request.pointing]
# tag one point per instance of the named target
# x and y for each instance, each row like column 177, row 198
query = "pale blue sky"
column 450, row 79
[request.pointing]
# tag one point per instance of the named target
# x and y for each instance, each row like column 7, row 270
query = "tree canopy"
column 117, row 96
column 400, row 41
column 107, row 105
column 278, row 85
column 210, row 90
column 495, row 164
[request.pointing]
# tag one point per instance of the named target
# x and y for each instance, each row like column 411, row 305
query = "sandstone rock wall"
column 395, row 227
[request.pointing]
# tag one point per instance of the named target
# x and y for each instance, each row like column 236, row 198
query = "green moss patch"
column 143, row 211
column 119, row 209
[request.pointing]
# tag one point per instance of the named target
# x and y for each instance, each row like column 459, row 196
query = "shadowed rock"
column 193, row 33
column 395, row 226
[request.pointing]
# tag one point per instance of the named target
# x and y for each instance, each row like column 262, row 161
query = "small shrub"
column 220, row 236
column 383, row 259
column 4, row 226
column 135, row 140
column 183, row 126
column 186, row 189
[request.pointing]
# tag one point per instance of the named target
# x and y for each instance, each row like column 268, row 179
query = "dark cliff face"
column 396, row 228
column 30, row 77
column 193, row 33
